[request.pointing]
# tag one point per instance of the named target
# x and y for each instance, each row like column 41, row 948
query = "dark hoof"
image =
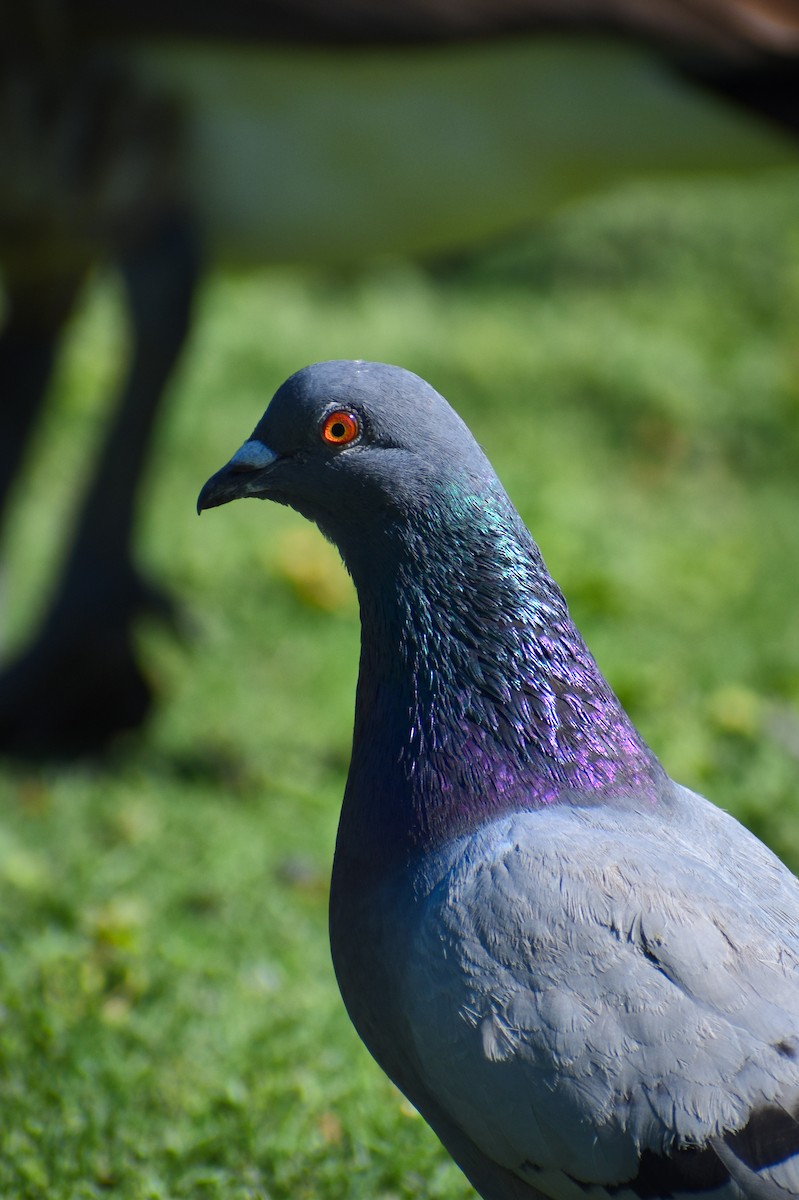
column 79, row 685
column 71, row 698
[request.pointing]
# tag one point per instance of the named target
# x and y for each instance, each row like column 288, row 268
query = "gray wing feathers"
column 582, row 992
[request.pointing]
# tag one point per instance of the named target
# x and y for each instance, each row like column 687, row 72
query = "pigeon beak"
column 242, row 476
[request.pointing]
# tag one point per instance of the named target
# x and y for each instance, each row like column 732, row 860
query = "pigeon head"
column 357, row 447
column 471, row 671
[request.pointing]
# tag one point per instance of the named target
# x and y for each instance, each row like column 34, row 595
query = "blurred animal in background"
column 157, row 136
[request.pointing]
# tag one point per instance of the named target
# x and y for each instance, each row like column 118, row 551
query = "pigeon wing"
column 598, row 997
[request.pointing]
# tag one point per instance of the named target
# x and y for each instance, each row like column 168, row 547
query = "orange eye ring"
column 340, row 427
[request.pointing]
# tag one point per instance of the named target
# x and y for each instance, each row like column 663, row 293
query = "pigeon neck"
column 476, row 695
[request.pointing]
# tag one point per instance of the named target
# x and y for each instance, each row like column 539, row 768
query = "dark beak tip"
column 234, row 481
column 202, row 500
column 210, row 495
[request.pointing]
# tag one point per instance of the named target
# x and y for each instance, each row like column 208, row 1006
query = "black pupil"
column 338, row 430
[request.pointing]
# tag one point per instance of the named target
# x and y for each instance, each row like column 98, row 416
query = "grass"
column 169, row 1022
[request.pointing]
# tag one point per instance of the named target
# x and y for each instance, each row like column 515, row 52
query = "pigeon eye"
column 341, row 427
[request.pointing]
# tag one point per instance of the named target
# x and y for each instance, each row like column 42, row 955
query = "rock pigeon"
column 584, row 976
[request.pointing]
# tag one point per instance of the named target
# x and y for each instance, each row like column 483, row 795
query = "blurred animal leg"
column 28, row 344
column 79, row 683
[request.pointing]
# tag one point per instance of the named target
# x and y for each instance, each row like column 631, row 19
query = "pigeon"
column 583, row 975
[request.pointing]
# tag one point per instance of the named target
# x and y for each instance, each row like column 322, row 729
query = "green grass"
column 169, row 1022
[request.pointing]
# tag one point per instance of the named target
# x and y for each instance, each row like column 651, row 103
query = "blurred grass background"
column 169, row 1022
